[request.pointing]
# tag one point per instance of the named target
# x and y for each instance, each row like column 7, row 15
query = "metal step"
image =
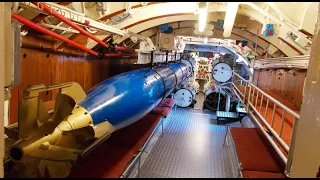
column 225, row 114
column 241, row 110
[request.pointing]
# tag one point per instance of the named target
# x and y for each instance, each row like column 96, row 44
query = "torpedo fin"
column 55, row 153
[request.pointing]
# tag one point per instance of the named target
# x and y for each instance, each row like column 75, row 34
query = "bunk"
column 256, row 157
column 122, row 148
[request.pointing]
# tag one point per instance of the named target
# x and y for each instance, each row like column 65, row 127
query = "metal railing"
column 248, row 94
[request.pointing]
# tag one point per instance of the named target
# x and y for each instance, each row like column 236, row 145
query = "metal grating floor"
column 241, row 110
column 190, row 148
column 227, row 114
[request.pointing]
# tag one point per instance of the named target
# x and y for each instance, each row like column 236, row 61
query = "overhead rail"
column 248, row 94
column 58, row 36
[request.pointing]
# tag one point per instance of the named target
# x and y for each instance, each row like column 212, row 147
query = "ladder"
column 228, row 117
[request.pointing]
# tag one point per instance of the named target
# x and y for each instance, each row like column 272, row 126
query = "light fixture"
column 229, row 18
column 202, row 15
column 205, row 40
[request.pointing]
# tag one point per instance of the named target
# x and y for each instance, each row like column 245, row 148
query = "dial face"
column 188, row 63
column 222, row 72
column 183, row 97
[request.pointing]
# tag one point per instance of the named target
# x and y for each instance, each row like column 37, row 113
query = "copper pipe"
column 116, row 55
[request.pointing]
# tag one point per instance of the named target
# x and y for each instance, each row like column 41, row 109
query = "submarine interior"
column 160, row 89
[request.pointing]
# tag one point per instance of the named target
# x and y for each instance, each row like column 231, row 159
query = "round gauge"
column 222, row 72
column 183, row 97
column 189, row 64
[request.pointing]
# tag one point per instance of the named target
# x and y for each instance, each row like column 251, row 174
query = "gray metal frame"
column 137, row 157
column 232, row 146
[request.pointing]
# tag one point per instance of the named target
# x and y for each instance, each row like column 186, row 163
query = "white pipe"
column 83, row 8
column 229, row 18
column 23, row 33
column 6, row 113
column 15, row 6
column 59, row 28
column 20, row 10
column 91, row 31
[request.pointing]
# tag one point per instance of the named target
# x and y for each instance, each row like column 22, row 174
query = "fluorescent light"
column 205, row 40
column 202, row 17
column 229, row 18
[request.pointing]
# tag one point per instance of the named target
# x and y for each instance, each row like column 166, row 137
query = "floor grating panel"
column 190, row 148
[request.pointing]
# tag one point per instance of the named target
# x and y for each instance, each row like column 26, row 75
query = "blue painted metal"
column 219, row 24
column 164, row 27
column 125, row 98
column 269, row 31
column 179, row 72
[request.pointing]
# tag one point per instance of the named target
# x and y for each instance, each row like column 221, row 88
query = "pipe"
column 59, row 28
column 91, row 31
column 83, row 8
column 76, row 18
column 20, row 10
column 15, row 6
column 34, row 26
column 116, row 55
column 70, row 23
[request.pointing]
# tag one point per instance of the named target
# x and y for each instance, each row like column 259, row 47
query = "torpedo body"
column 127, row 97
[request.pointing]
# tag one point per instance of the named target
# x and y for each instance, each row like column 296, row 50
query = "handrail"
column 271, row 98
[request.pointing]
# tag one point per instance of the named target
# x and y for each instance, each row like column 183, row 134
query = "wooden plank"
column 14, row 103
column 73, row 70
column 286, row 84
column 299, row 81
column 57, row 72
column 35, row 69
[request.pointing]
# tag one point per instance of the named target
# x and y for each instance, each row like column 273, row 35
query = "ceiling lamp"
column 229, row 18
column 202, row 15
